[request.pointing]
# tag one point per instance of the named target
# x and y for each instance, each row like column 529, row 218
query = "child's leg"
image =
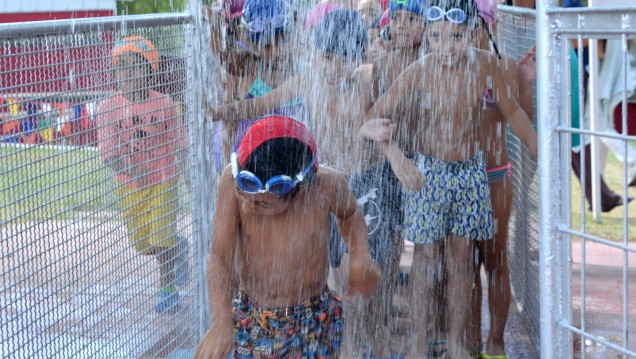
column 474, row 341
column 495, row 259
column 423, row 308
column 380, row 306
column 460, row 292
column 150, row 216
column 166, row 258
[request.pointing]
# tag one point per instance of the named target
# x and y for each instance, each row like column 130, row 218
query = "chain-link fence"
column 515, row 36
column 99, row 257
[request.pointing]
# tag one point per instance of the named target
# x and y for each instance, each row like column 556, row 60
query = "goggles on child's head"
column 279, row 185
column 456, row 16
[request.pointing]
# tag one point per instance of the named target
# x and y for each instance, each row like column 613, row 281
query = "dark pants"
column 379, row 193
column 609, row 198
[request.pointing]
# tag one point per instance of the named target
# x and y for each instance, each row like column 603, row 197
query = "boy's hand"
column 222, row 112
column 377, row 129
column 528, row 66
column 216, row 344
column 363, row 277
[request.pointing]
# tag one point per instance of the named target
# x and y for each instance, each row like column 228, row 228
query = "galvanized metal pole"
column 200, row 209
column 594, row 126
column 555, row 341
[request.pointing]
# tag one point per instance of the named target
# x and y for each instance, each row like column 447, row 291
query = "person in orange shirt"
column 139, row 136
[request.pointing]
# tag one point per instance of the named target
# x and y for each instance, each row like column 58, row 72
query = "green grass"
column 611, row 224
column 40, row 183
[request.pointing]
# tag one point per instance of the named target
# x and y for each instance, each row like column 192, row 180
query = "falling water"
column 436, row 110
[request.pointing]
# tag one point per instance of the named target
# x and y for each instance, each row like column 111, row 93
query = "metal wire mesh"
column 515, row 36
column 73, row 284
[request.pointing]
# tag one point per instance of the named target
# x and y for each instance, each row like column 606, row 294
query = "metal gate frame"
column 556, row 27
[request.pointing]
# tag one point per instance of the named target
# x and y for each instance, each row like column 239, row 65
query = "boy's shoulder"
column 329, row 179
column 486, row 56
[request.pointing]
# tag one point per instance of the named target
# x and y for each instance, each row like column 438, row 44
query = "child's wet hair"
column 281, row 156
column 342, row 33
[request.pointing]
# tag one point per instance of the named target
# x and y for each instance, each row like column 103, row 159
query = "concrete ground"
column 605, row 315
column 67, row 285
column 518, row 342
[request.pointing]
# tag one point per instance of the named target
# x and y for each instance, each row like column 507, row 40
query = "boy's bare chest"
column 283, row 234
column 451, row 93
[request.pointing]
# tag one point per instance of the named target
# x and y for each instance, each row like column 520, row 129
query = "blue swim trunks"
column 455, row 199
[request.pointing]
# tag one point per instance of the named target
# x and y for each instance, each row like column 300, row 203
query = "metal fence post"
column 555, row 341
column 201, row 209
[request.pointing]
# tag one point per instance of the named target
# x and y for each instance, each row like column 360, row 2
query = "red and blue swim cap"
column 270, row 128
column 414, row 6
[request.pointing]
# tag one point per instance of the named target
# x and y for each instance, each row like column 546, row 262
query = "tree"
column 134, row 7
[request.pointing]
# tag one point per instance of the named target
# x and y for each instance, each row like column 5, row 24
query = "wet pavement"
column 604, row 313
column 518, row 342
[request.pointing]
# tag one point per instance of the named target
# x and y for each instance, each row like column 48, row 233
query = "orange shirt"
column 144, row 134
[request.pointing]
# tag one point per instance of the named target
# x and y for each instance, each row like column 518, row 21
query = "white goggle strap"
column 234, row 164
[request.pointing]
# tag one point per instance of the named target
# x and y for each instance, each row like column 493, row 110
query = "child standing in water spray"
column 267, row 274
column 493, row 254
column 434, row 104
column 334, row 97
column 139, row 136
column 378, row 187
column 406, row 31
column 336, row 100
column 265, row 34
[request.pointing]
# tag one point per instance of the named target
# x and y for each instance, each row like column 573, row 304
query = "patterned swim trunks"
column 455, row 198
column 312, row 329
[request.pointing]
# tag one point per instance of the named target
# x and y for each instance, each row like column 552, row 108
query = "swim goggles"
column 436, row 13
column 279, row 185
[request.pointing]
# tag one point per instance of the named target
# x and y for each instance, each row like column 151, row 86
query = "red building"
column 41, row 69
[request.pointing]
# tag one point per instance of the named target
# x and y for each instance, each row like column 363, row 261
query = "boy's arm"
column 526, row 74
column 406, row 172
column 179, row 136
column 380, row 130
column 521, row 78
column 221, row 283
column 244, row 109
column 363, row 275
column 107, row 139
column 514, row 114
column 388, row 105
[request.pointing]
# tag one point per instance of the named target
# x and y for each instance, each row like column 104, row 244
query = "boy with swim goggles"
column 458, row 16
column 279, row 185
